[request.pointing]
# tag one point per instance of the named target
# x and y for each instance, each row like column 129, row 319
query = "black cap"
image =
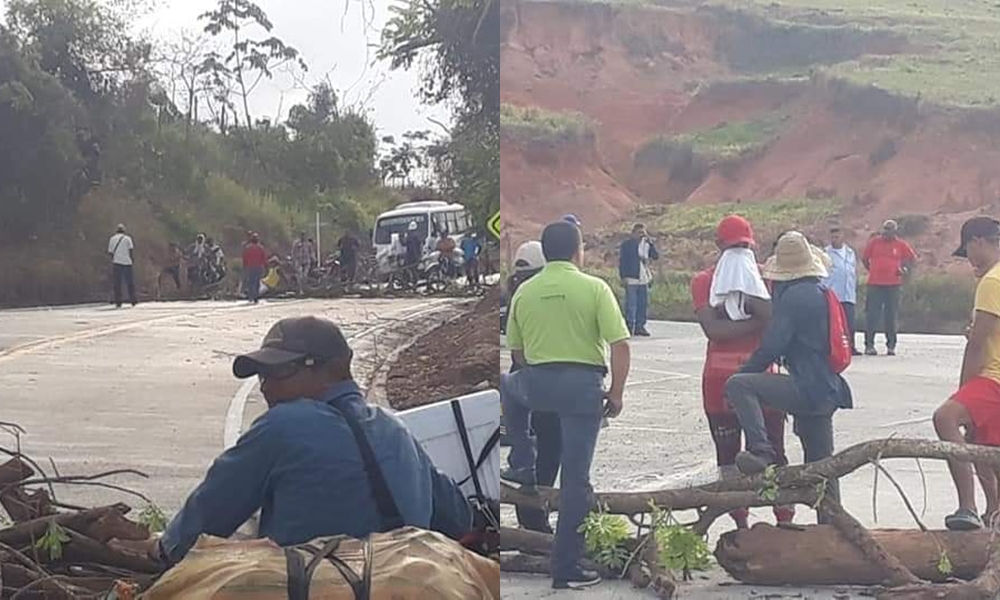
column 291, row 340
column 977, row 227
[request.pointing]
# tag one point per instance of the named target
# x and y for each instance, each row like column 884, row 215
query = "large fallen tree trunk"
column 804, row 484
column 821, row 555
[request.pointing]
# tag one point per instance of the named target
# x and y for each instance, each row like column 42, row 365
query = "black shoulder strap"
column 484, row 454
column 387, row 508
column 463, row 433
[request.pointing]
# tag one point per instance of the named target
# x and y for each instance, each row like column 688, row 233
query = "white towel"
column 736, row 277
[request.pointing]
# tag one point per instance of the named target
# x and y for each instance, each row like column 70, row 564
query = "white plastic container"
column 435, row 427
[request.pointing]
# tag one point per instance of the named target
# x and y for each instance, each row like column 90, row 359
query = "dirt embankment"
column 652, row 77
column 457, row 358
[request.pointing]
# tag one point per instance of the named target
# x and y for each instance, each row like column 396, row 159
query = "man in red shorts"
column 730, row 343
column 975, row 407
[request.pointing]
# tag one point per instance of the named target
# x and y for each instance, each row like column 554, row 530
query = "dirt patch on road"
column 457, row 358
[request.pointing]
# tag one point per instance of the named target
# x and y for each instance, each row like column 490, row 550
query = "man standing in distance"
column 843, row 279
column 302, row 258
column 254, row 265
column 560, row 327
column 730, row 344
column 121, row 249
column 634, row 256
column 889, row 260
column 975, row 407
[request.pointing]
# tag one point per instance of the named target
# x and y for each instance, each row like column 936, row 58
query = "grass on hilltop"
column 700, row 221
column 534, row 123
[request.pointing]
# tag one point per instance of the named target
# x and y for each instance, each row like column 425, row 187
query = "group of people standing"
column 771, row 331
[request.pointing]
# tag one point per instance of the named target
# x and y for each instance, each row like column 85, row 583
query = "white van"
column 431, row 217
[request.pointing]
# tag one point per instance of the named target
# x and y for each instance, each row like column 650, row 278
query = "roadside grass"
column 931, row 303
column 537, row 124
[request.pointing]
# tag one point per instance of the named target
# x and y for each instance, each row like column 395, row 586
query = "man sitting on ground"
column 975, row 407
column 301, row 463
column 799, row 337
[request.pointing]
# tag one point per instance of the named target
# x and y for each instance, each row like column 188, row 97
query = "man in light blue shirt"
column 843, row 279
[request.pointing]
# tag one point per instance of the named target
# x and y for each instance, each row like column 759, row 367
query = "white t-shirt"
column 120, row 247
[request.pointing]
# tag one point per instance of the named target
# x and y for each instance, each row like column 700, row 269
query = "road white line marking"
column 667, row 373
column 237, row 406
column 86, row 334
column 660, row 380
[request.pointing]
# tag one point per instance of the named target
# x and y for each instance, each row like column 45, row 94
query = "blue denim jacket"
column 799, row 336
column 299, row 464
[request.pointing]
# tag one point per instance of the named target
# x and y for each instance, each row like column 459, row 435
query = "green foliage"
column 769, row 491
column 152, row 516
column 534, row 123
column 729, row 140
column 458, row 43
column 679, row 548
column 913, row 225
column 944, row 565
column 53, row 541
column 931, row 303
column 604, row 539
column 768, row 218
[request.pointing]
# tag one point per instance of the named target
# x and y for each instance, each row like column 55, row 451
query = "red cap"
column 735, row 230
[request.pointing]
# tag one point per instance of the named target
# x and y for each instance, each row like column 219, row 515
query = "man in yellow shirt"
column 975, row 407
column 560, row 327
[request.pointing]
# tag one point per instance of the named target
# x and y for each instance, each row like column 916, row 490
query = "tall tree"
column 248, row 58
column 460, row 40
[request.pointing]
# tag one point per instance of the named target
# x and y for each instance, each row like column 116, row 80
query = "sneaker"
column 578, row 580
column 525, row 477
column 891, row 352
column 752, row 464
column 871, row 352
column 641, row 332
column 963, row 520
column 855, row 352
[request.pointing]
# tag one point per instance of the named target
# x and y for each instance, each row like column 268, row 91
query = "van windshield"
column 390, row 225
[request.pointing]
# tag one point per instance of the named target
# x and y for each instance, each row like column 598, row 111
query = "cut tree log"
column 821, row 555
column 791, row 481
column 522, row 540
column 24, row 533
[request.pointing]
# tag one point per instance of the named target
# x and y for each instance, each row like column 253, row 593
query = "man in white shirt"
column 843, row 279
column 120, row 247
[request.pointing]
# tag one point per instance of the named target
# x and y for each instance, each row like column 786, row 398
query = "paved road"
column 146, row 388
column 661, row 439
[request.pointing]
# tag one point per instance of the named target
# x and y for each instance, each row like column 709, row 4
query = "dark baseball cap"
column 977, row 227
column 292, row 340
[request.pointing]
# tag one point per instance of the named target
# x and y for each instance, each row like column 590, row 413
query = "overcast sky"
column 335, row 46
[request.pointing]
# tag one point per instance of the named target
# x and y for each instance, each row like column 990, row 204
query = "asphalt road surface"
column 661, row 440
column 146, row 388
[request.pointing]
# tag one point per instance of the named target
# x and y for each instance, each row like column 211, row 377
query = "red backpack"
column 840, row 335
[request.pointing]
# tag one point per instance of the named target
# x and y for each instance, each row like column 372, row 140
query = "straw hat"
column 795, row 258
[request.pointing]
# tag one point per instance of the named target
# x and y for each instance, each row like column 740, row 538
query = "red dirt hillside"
column 708, row 105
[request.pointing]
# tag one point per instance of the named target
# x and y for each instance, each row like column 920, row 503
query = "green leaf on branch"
column 604, row 538
column 770, row 490
column 679, row 548
column 152, row 517
column 53, row 541
column 944, row 566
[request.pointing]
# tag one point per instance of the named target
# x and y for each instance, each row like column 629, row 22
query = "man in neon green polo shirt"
column 560, row 327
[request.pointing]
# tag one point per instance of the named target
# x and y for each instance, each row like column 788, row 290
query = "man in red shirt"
column 730, row 344
column 889, row 260
column 254, row 265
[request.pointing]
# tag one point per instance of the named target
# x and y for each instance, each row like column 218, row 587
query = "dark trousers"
column 122, row 274
column 548, row 443
column 850, row 313
column 749, row 393
column 882, row 302
column 251, row 282
column 576, row 396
